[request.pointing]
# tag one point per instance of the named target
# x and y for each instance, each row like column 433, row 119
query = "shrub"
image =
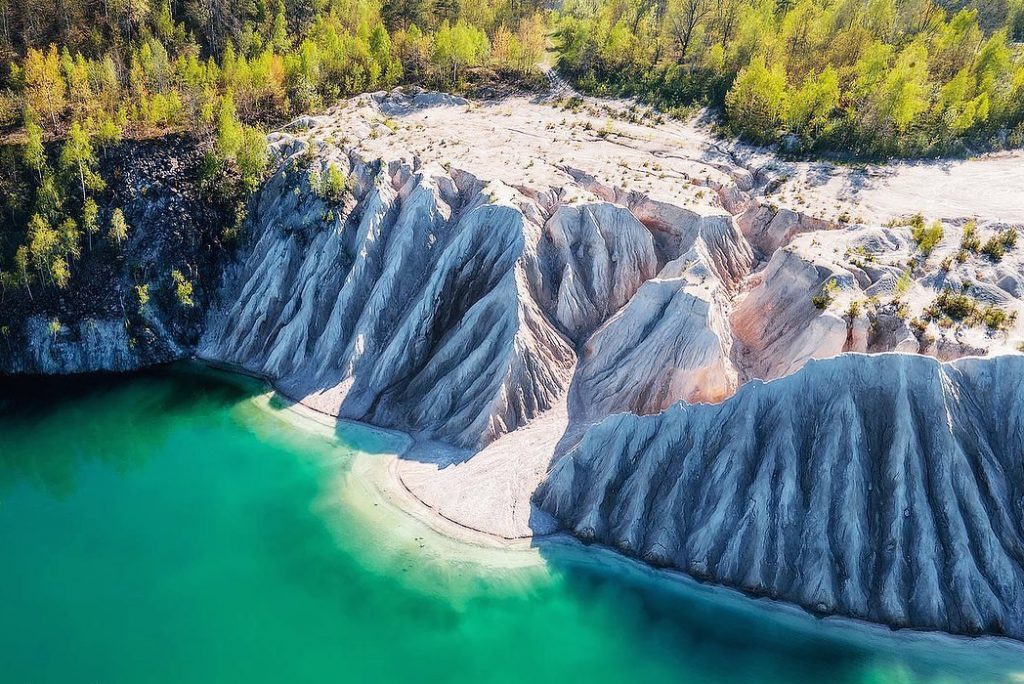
column 333, row 184
column 1008, row 237
column 903, row 284
column 824, row 298
column 957, row 306
column 182, row 289
column 993, row 248
column 142, row 294
column 928, row 236
column 969, row 240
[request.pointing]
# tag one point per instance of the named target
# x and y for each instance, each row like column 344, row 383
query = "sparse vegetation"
column 182, row 288
column 926, row 236
column 960, row 307
column 333, row 184
column 995, row 247
column 825, row 296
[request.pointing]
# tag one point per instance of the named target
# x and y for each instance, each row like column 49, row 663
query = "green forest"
column 81, row 77
column 864, row 78
column 858, row 78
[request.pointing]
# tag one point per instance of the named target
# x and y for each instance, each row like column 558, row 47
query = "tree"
column 78, row 157
column 118, row 227
column 45, row 89
column 90, row 219
column 813, row 103
column 683, row 18
column 756, row 104
column 43, row 244
column 532, row 35
column 252, row 156
column 34, row 153
column 70, row 238
column 21, row 268
column 458, row 46
column 404, row 13
column 60, row 272
column 245, row 145
column 109, row 130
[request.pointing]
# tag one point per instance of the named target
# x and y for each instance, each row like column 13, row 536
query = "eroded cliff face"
column 588, row 317
column 435, row 302
column 884, row 487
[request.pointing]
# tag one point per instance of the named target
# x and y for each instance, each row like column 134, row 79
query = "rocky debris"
column 886, row 488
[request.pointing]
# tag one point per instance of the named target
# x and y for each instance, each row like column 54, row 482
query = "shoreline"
column 375, row 476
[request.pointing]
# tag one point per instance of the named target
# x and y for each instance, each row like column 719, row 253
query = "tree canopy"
column 865, row 77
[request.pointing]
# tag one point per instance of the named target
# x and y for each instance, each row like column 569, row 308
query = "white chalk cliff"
column 584, row 314
column 887, row 487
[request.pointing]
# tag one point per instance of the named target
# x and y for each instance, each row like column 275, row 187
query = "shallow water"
column 169, row 527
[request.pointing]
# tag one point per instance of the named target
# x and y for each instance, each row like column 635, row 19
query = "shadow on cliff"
column 67, row 416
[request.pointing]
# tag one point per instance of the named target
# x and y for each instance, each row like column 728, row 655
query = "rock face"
column 886, row 487
column 671, row 342
column 97, row 323
column 455, row 307
column 604, row 316
column 412, row 305
column 777, row 324
column 86, row 346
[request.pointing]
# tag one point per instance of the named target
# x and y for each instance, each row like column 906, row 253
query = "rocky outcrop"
column 91, row 345
column 409, row 305
column 671, row 342
column 98, row 322
column 777, row 324
column 884, row 487
column 768, row 228
column 454, row 307
column 601, row 254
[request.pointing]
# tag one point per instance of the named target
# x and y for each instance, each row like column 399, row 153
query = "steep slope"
column 97, row 322
column 881, row 487
column 429, row 299
column 410, row 305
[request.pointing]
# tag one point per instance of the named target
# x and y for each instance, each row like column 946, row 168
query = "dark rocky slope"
column 174, row 223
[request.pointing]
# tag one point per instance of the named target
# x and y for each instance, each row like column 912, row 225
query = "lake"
column 178, row 526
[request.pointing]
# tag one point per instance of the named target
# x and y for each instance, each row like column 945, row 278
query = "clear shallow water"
column 169, row 528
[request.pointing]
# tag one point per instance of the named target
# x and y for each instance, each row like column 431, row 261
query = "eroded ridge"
column 880, row 487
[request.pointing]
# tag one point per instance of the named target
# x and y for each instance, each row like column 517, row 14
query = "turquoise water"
column 170, row 527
